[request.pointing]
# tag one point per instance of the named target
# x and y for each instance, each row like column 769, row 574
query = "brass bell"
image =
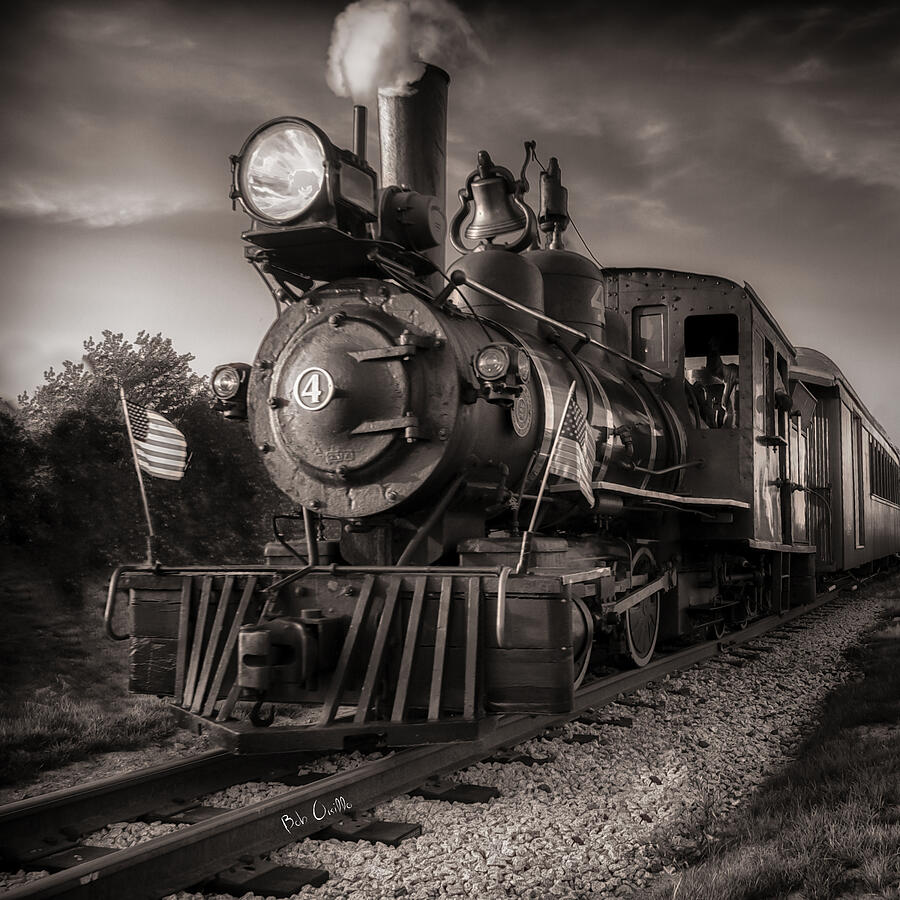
column 492, row 197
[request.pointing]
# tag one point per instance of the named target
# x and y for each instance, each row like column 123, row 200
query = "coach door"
column 772, row 459
column 798, row 452
column 819, row 493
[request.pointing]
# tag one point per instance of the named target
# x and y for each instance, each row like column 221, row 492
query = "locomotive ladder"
column 206, row 655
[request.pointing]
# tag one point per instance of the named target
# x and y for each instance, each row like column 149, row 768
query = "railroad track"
column 44, row 832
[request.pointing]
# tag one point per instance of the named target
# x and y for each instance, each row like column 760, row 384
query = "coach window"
column 711, row 374
column 649, row 335
column 782, row 397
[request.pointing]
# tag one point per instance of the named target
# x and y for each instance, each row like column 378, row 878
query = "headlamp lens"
column 226, row 383
column 282, row 171
column 492, row 362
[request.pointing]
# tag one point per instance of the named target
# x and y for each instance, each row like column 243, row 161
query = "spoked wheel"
column 746, row 608
column 641, row 623
column 740, row 617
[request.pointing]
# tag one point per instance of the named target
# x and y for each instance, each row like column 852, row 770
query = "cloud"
column 811, row 71
column 838, row 148
column 651, row 213
column 95, row 206
column 117, row 29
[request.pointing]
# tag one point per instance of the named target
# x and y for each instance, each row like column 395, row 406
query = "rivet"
column 265, row 447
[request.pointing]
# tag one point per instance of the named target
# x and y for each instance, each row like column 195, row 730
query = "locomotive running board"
column 678, row 499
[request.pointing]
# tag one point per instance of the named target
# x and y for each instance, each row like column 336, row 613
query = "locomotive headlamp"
column 492, row 362
column 282, row 171
column 229, row 384
column 226, row 382
column 288, row 171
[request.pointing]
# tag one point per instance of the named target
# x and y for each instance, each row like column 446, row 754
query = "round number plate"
column 522, row 411
column 314, row 388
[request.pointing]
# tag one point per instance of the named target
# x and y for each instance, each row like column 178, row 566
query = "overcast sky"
column 762, row 146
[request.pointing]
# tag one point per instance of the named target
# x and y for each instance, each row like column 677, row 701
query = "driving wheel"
column 641, row 622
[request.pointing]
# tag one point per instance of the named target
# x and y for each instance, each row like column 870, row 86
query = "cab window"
column 649, row 335
column 711, row 375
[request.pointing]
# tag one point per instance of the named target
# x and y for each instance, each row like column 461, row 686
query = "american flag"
column 576, row 450
column 160, row 447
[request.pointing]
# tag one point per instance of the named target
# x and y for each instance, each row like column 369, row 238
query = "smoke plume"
column 384, row 44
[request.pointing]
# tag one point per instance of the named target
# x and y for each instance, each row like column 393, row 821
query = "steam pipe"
column 360, row 118
column 312, row 547
column 431, row 521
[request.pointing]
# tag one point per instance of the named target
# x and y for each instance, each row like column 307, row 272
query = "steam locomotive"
column 505, row 474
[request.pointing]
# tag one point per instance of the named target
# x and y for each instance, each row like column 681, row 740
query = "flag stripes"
column 576, row 450
column 160, row 447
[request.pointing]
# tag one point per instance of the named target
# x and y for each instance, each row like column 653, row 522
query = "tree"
column 85, row 510
column 19, row 501
column 150, row 370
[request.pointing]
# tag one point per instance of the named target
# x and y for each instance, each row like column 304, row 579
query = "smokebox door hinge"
column 382, row 353
column 409, row 425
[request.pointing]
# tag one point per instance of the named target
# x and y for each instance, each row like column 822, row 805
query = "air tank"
column 508, row 273
column 573, row 289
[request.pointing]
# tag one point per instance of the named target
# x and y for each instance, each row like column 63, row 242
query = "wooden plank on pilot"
column 375, row 659
column 473, row 603
column 199, row 627
column 335, row 689
column 409, row 649
column 440, row 648
column 212, row 644
column 184, row 618
column 229, row 702
column 228, row 649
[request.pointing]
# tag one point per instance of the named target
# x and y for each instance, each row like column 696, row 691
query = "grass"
column 63, row 690
column 828, row 826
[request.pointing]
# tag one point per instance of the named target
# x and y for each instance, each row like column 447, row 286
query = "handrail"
column 329, row 569
column 459, row 277
column 110, row 610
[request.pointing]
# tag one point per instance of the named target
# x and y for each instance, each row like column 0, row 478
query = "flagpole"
column 526, row 537
column 151, row 536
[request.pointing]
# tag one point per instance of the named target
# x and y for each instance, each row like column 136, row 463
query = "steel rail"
column 36, row 826
column 185, row 858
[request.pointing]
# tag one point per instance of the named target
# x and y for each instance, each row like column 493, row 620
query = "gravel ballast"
column 589, row 822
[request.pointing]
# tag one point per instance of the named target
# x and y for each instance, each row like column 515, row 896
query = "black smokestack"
column 413, row 130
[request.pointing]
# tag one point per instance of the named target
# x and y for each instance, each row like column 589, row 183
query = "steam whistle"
column 494, row 197
column 554, row 215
